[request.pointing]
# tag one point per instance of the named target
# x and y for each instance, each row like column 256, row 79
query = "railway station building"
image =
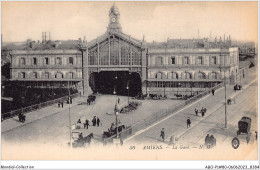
column 117, row 63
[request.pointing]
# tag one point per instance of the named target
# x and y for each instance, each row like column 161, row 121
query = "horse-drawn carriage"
column 91, row 99
column 141, row 96
column 210, row 141
column 112, row 131
column 79, row 140
column 244, row 125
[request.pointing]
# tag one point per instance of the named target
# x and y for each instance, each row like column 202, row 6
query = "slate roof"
column 68, row 44
column 187, row 43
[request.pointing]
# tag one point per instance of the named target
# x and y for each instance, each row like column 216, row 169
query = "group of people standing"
column 203, row 111
column 95, row 121
column 60, row 103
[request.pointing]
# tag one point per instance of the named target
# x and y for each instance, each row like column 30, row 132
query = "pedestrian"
column 243, row 75
column 188, row 122
column 118, row 101
column 112, row 126
column 62, row 104
column 162, row 134
column 213, row 92
column 94, row 121
column 202, row 111
column 86, row 123
column 58, row 104
column 196, row 110
column 98, row 121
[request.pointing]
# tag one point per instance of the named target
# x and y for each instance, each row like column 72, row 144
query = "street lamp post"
column 178, row 89
column 69, row 111
column 191, row 88
column 225, row 98
column 164, row 88
column 225, row 126
column 127, row 87
column 116, row 125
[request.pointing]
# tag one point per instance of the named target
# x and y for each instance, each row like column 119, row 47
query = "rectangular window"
column 58, row 60
column 213, row 60
column 34, row 61
column 70, row 60
column 46, row 60
column 22, row 61
column 159, row 84
column 199, row 60
column 186, row 60
column 23, row 75
column 173, row 60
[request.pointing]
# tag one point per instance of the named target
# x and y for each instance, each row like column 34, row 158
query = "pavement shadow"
column 15, row 119
column 158, row 140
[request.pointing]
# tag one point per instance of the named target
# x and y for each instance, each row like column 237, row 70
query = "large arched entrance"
column 116, row 82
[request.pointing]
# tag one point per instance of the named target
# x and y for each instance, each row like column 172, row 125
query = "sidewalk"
column 13, row 123
column 246, row 82
column 175, row 125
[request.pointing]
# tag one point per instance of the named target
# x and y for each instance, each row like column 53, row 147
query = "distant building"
column 182, row 65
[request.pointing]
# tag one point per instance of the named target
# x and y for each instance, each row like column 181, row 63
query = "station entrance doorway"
column 116, row 82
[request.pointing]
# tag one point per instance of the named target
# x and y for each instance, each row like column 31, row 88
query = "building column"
column 85, row 73
column 109, row 50
column 144, row 70
column 119, row 52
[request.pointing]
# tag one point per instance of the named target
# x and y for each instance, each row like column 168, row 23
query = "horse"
column 210, row 141
column 88, row 138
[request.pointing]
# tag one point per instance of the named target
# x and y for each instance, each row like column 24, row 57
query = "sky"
column 155, row 20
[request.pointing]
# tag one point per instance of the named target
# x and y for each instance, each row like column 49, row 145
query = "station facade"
column 175, row 66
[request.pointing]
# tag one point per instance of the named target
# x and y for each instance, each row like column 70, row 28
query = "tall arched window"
column 158, row 76
column 214, row 75
column 46, row 75
column 172, row 75
column 175, row 76
column 201, row 75
column 187, row 75
column 35, row 75
column 59, row 76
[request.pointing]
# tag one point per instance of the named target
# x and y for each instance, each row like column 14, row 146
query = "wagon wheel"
column 208, row 145
column 235, row 143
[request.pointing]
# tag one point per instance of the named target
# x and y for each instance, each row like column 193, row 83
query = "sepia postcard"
column 133, row 80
